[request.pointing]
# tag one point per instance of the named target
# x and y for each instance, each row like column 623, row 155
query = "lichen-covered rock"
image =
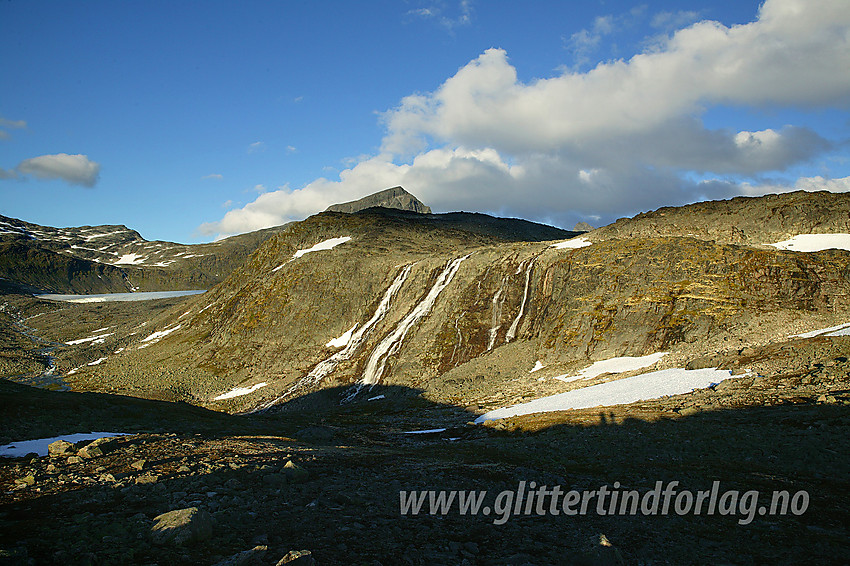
column 182, row 526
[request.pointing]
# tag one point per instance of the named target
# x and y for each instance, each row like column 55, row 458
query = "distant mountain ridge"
column 395, row 197
column 113, row 258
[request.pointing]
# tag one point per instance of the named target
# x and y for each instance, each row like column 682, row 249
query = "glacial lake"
column 108, row 297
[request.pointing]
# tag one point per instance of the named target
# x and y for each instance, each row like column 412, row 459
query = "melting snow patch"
column 537, row 366
column 642, row 387
column 129, row 259
column 326, row 245
column 39, row 446
column 96, row 362
column 239, row 391
column 814, row 242
column 573, row 244
column 343, row 340
column 838, row 330
column 161, row 334
column 376, row 398
column 619, row 365
column 99, row 339
column 429, row 431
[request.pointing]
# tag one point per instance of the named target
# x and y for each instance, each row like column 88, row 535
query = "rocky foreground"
column 191, row 486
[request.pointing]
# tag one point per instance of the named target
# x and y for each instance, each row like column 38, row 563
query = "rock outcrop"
column 395, row 197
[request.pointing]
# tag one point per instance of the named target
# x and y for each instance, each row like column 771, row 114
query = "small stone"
column 74, row 459
column 28, row 479
column 146, row 479
column 182, row 526
column 184, row 469
column 139, row 465
column 297, row 558
column 295, row 473
column 246, row 557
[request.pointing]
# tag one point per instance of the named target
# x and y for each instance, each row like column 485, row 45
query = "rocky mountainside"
column 104, row 259
column 362, row 353
column 396, row 198
column 464, row 313
column 752, row 221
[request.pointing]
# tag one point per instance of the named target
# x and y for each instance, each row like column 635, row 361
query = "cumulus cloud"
column 624, row 136
column 73, row 169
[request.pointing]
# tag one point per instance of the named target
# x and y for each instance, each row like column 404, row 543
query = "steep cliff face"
column 451, row 308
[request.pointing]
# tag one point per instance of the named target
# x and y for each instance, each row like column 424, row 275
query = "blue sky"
column 192, row 120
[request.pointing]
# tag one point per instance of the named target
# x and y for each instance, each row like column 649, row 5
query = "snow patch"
column 837, row 330
column 326, row 245
column 537, row 366
column 96, row 362
column 157, row 336
column 572, row 244
column 341, row 341
column 641, row 387
column 239, row 391
column 429, row 431
column 814, row 242
column 129, row 259
column 98, row 339
column 619, row 365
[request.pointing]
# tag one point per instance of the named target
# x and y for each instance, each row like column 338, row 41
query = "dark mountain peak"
column 395, row 197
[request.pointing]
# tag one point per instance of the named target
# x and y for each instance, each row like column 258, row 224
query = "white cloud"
column 809, row 184
column 10, row 125
column 73, row 169
column 622, row 137
column 449, row 17
column 256, row 146
column 216, row 176
column 8, row 173
column 258, row 189
column 674, row 20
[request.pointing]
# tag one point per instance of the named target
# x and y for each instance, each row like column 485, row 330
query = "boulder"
column 182, row 526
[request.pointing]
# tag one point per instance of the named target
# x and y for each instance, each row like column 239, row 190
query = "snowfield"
column 239, row 391
column 641, row 387
column 573, row 244
column 613, row 365
column 814, row 242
